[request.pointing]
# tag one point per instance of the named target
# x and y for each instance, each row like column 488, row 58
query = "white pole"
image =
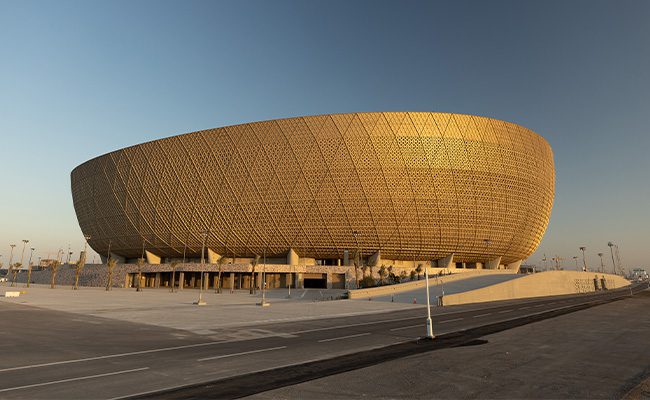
column 429, row 325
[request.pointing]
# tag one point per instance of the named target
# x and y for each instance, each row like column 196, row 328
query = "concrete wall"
column 434, row 279
column 549, row 283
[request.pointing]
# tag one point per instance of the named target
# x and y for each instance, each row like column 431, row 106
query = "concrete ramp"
column 549, row 283
column 438, row 287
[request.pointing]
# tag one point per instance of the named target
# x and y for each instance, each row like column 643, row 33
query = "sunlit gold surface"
column 410, row 183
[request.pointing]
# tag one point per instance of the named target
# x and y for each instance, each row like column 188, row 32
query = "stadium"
column 313, row 196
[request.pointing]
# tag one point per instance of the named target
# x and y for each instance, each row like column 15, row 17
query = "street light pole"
column 22, row 256
column 263, row 303
column 575, row 258
column 29, row 270
column 610, row 244
column 429, row 324
column 200, row 301
column 11, row 256
column 584, row 262
column 602, row 266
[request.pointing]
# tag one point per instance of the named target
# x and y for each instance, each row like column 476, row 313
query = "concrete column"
column 375, row 259
column 447, row 262
column 206, row 280
column 151, row 258
column 193, row 281
column 346, row 258
column 156, row 282
column 329, row 280
column 300, row 281
column 213, row 256
column 514, row 266
column 181, row 280
column 292, row 257
column 215, row 281
column 494, row 263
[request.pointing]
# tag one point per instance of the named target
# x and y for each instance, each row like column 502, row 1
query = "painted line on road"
column 344, row 337
column 187, row 346
column 354, row 325
column 185, row 385
column 242, row 353
column 407, row 327
column 505, row 311
column 81, row 378
column 524, row 308
column 481, row 315
column 450, row 320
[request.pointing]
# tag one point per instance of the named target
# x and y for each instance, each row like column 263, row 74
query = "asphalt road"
column 49, row 354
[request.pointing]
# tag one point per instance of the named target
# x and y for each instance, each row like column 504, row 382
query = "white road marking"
column 113, row 356
column 73, row 379
column 343, row 337
column 482, row 315
column 505, row 311
column 542, row 305
column 328, row 357
column 242, row 353
column 353, row 325
column 524, row 308
column 450, row 320
column 407, row 327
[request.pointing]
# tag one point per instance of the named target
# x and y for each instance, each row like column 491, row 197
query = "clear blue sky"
column 81, row 78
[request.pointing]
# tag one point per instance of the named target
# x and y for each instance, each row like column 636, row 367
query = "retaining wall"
column 549, row 283
column 434, row 279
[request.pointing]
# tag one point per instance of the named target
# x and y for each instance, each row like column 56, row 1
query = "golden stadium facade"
column 402, row 185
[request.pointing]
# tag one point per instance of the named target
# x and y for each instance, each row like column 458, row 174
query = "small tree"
column 253, row 264
column 363, row 271
column 413, row 274
column 140, row 263
column 54, row 268
column 220, row 262
column 78, row 266
column 173, row 265
column 14, row 272
column 402, row 276
column 418, row 269
column 367, row 281
column 110, row 266
column 382, row 274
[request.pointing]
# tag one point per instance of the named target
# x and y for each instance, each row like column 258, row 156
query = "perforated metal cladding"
column 411, row 183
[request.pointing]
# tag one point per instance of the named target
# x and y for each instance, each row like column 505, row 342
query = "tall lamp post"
column 429, row 324
column 263, row 303
column 356, row 235
column 29, row 268
column 610, row 244
column 602, row 266
column 22, row 256
column 584, row 262
column 200, row 301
